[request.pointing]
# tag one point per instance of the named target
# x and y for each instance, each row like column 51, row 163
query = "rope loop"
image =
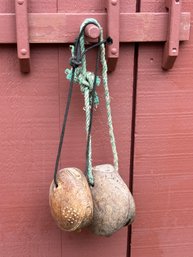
column 88, row 82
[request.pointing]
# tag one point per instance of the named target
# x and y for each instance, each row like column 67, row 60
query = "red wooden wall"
column 31, row 111
column 32, row 108
column 163, row 161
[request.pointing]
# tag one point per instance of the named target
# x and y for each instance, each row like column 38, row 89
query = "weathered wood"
column 22, row 34
column 163, row 164
column 29, row 133
column 63, row 27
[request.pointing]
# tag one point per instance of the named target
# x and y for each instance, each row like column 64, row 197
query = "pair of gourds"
column 105, row 208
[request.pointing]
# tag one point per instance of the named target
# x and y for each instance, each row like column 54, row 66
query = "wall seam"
column 133, row 125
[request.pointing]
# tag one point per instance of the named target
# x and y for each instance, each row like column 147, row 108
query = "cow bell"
column 71, row 202
column 114, row 205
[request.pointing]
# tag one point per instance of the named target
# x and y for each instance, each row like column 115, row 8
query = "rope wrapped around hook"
column 86, row 80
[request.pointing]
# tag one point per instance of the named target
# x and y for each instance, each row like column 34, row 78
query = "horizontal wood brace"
column 64, row 27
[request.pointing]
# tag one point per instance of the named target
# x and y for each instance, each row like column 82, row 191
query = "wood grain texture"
column 163, row 179
column 92, row 6
column 120, row 84
column 54, row 27
column 29, row 115
column 29, row 131
column 31, row 108
column 33, row 6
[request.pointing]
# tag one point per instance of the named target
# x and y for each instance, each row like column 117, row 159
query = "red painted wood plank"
column 33, row 6
column 169, row 200
column 163, row 181
column 29, row 115
column 165, row 219
column 54, row 27
column 163, row 237
column 96, row 6
column 22, row 34
column 177, row 251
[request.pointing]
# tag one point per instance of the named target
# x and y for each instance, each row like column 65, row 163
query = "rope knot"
column 74, row 62
column 88, row 82
column 85, row 80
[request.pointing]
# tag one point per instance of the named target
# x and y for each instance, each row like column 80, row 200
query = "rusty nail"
column 20, row 2
column 23, row 51
column 114, row 2
column 114, row 51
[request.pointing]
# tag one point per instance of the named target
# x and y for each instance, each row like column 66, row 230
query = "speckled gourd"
column 114, row 205
column 71, row 202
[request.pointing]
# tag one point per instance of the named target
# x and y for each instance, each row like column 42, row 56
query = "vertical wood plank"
column 120, row 83
column 163, row 179
column 29, row 115
column 29, row 132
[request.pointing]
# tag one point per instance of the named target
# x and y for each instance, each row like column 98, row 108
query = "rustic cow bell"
column 114, row 205
column 71, row 202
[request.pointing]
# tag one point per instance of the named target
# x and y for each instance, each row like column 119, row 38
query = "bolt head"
column 23, row 51
column 93, row 31
column 20, row 2
column 114, row 50
column 114, row 2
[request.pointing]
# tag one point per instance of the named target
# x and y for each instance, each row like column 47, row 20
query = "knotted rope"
column 87, row 80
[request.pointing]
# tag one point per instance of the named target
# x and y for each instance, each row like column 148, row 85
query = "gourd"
column 71, row 201
column 108, row 204
column 113, row 203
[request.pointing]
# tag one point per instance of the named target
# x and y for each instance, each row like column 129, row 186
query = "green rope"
column 86, row 79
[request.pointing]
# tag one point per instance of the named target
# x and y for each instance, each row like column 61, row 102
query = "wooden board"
column 29, row 133
column 31, row 113
column 163, row 178
column 120, row 83
column 54, row 27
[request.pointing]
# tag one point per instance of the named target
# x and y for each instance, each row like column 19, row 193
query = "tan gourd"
column 114, row 205
column 71, row 202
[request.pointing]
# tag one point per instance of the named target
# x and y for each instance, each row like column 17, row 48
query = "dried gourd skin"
column 114, row 205
column 71, row 202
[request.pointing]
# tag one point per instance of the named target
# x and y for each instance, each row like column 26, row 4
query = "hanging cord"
column 89, row 117
column 75, row 61
column 64, row 126
column 89, row 124
column 108, row 106
column 88, row 82
column 89, row 106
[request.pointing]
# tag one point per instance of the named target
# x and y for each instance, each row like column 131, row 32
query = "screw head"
column 23, row 51
column 114, row 2
column 20, row 2
column 114, row 50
